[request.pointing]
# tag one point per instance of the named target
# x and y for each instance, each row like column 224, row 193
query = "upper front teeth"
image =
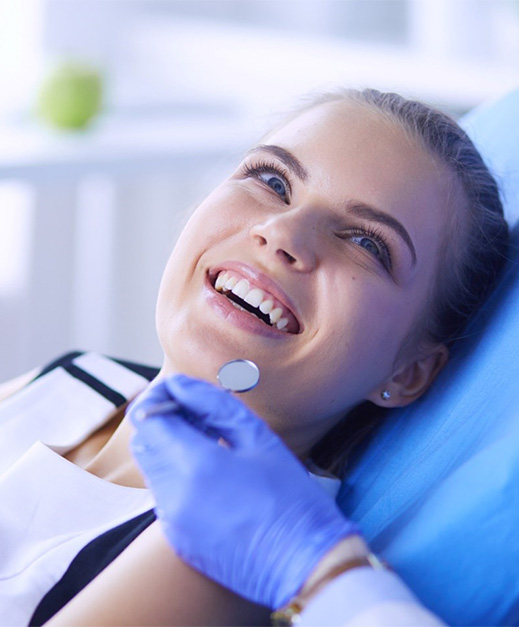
column 241, row 288
column 254, row 296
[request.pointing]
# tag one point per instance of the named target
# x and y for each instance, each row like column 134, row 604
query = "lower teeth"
column 238, row 306
column 245, row 310
column 256, row 313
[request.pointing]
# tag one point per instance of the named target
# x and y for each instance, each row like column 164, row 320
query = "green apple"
column 70, row 96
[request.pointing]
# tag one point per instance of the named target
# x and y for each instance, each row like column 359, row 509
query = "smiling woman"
column 338, row 206
column 343, row 256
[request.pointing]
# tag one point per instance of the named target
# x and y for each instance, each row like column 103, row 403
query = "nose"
column 289, row 237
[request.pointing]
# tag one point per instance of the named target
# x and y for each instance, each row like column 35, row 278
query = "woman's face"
column 336, row 221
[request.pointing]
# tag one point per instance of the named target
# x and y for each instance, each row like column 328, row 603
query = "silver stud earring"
column 385, row 394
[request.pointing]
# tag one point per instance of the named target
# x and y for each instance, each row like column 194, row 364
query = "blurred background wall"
column 88, row 216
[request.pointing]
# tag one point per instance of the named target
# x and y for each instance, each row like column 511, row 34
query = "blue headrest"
column 494, row 128
column 436, row 492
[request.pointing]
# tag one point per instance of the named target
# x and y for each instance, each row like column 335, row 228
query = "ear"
column 412, row 379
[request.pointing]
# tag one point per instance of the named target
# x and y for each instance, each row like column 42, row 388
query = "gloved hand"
column 247, row 515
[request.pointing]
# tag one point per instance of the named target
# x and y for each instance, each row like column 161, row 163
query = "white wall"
column 87, row 219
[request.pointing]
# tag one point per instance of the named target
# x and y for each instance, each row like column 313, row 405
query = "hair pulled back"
column 474, row 250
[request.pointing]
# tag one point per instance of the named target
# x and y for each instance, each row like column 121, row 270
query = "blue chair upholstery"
column 494, row 128
column 436, row 492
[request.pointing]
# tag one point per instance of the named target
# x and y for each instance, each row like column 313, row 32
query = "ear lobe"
column 410, row 381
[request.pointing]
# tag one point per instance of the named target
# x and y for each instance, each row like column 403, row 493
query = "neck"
column 114, row 461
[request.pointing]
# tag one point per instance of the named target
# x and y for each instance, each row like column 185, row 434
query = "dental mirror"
column 238, row 375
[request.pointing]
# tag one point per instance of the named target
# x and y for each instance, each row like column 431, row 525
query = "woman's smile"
column 313, row 259
column 254, row 293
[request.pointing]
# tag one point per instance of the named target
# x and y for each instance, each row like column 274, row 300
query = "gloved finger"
column 153, row 395
column 171, row 444
column 154, row 404
column 222, row 412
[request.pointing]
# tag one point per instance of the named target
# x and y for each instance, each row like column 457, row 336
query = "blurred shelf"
column 228, row 76
column 118, row 143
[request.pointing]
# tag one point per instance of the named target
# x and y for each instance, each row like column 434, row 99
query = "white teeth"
column 241, row 289
column 275, row 315
column 230, row 283
column 254, row 297
column 220, row 280
column 266, row 306
column 281, row 324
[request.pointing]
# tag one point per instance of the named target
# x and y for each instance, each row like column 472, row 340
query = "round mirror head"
column 238, row 375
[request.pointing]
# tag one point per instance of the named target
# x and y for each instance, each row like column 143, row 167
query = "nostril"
column 288, row 256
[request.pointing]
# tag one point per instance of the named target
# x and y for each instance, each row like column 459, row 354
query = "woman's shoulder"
column 8, row 388
column 91, row 368
column 13, row 385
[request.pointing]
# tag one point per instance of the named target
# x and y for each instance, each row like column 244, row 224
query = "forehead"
column 357, row 137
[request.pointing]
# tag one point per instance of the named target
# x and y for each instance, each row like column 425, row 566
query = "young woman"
column 343, row 256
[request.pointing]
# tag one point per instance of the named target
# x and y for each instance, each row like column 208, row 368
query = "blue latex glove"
column 248, row 515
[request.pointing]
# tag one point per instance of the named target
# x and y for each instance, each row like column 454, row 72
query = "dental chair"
column 436, row 491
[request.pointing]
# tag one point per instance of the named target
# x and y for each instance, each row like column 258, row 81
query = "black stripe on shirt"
column 88, row 563
column 148, row 372
column 63, row 360
column 100, row 387
column 67, row 363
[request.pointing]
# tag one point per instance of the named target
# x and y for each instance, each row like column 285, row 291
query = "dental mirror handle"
column 237, row 375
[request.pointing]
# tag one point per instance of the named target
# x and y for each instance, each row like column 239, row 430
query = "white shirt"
column 51, row 508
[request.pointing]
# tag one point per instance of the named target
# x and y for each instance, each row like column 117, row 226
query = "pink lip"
column 241, row 319
column 258, row 279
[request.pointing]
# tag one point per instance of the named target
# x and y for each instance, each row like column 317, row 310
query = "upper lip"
column 258, row 279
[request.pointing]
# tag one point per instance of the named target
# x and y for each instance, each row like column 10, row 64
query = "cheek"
column 211, row 222
column 359, row 338
column 204, row 227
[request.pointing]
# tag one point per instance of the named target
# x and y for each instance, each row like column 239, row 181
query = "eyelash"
column 264, row 167
column 375, row 235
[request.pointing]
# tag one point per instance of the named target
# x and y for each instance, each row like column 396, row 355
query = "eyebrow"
column 367, row 212
column 285, row 156
column 358, row 208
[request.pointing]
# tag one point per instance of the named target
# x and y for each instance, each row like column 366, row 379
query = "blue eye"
column 368, row 244
column 272, row 175
column 275, row 183
column 372, row 242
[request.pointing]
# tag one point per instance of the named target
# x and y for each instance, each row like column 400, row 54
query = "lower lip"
column 238, row 318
